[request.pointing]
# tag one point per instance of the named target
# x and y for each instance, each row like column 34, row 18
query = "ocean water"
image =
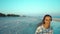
column 23, row 25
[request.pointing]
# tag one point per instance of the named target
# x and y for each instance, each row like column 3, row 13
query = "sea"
column 24, row 25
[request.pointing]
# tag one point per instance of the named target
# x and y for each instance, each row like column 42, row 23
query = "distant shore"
column 11, row 15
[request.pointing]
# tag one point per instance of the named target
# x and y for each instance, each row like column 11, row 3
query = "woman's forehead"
column 47, row 17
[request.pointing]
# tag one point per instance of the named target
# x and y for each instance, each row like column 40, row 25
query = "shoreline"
column 56, row 19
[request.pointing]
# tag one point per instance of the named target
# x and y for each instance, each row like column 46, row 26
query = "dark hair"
column 44, row 19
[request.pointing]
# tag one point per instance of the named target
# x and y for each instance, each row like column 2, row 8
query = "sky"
column 30, row 7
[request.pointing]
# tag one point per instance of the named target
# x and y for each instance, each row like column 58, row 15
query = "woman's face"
column 47, row 20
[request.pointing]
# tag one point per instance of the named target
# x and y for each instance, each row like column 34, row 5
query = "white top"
column 42, row 30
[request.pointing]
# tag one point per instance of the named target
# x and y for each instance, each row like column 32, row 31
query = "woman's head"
column 47, row 19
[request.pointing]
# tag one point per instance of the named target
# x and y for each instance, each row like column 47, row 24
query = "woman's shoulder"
column 39, row 28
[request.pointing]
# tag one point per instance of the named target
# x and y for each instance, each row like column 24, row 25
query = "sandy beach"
column 56, row 19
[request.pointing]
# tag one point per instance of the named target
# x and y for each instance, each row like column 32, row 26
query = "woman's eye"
column 46, row 20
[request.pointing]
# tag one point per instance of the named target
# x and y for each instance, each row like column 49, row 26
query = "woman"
column 45, row 28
